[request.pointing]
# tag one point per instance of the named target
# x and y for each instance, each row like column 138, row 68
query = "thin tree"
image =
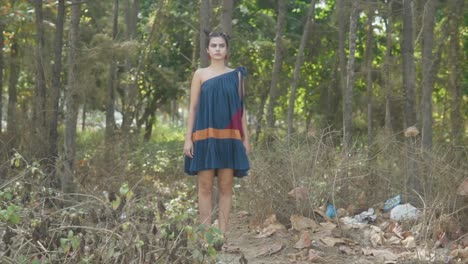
column 341, row 7
column 427, row 73
column 110, row 99
column 348, row 92
column 56, row 83
column 72, row 98
column 2, row 66
column 369, row 59
column 386, row 67
column 409, row 80
column 277, row 62
column 455, row 71
column 204, row 25
column 226, row 19
column 132, row 10
column 298, row 65
column 12, row 94
column 39, row 113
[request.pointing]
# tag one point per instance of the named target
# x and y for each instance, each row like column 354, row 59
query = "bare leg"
column 225, row 182
column 205, row 189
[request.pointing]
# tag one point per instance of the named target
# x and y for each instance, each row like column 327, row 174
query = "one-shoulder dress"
column 217, row 133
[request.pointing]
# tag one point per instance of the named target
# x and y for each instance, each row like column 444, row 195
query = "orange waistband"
column 216, row 133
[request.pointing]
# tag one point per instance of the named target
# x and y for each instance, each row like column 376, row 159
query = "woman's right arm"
column 194, row 96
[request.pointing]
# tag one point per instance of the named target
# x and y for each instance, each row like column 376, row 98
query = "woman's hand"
column 188, row 148
column 246, row 146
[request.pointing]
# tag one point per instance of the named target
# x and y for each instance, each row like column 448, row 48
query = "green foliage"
column 71, row 242
column 10, row 215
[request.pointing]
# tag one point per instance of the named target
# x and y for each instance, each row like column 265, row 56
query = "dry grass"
column 354, row 179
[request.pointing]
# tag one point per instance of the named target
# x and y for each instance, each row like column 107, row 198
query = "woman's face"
column 217, row 48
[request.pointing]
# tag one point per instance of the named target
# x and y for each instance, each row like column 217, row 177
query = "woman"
column 217, row 141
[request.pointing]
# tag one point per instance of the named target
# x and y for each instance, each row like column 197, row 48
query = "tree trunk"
column 226, row 20
column 72, row 98
column 110, row 100
column 388, row 57
column 39, row 110
column 204, row 25
column 348, row 93
column 455, row 71
column 12, row 97
column 409, row 79
column 2, row 66
column 369, row 59
column 427, row 78
column 277, row 62
column 129, row 108
column 341, row 7
column 261, row 111
column 56, row 85
column 297, row 67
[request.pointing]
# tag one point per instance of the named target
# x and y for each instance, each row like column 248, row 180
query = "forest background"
column 354, row 100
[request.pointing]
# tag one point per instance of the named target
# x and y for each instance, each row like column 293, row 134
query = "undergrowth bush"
column 141, row 217
column 354, row 179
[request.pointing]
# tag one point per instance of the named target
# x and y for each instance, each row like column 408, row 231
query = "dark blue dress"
column 217, row 132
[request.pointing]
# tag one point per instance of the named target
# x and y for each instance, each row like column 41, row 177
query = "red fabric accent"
column 236, row 122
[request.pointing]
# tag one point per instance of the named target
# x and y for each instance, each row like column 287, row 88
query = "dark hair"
column 210, row 35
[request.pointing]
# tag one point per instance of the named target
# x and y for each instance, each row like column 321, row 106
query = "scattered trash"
column 391, row 203
column 331, row 210
column 404, row 212
column 362, row 218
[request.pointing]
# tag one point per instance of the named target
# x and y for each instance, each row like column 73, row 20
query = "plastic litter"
column 362, row 218
column 404, row 212
column 391, row 203
column 331, row 211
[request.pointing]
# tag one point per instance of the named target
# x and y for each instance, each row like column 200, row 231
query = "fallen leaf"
column 332, row 241
column 270, row 249
column 243, row 213
column 270, row 220
column 461, row 254
column 376, row 239
column 387, row 255
column 463, row 188
column 299, row 255
column 300, row 223
column 328, row 226
column 270, row 230
column 341, row 212
column 409, row 242
column 304, row 241
column 322, row 215
column 393, row 241
column 299, row 193
column 313, row 255
column 411, row 131
column 362, row 199
column 347, row 250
